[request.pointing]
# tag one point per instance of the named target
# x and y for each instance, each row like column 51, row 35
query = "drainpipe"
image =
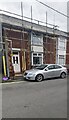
column 6, row 48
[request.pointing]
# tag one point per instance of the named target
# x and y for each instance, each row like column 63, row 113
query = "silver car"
column 45, row 71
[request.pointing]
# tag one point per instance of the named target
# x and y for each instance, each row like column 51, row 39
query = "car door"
column 46, row 73
column 50, row 71
column 57, row 70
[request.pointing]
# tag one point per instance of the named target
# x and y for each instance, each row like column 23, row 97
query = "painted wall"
column 61, row 50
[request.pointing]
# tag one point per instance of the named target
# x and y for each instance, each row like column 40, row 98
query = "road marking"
column 11, row 83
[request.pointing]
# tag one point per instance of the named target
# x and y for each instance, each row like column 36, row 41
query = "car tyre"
column 39, row 78
column 63, row 75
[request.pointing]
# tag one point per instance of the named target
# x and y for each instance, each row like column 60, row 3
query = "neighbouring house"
column 24, row 47
column 17, row 45
column 67, row 46
column 67, row 54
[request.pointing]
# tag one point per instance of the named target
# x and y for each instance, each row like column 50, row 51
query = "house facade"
column 24, row 47
column 67, row 47
column 67, row 53
column 17, row 49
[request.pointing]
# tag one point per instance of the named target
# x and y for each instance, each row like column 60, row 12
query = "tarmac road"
column 29, row 99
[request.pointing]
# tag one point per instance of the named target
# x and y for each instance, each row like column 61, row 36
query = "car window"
column 51, row 67
column 41, row 67
column 57, row 67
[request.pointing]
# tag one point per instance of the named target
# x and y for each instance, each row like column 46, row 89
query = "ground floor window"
column 37, row 58
column 61, row 59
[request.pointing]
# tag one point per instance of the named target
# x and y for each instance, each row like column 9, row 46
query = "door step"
column 18, row 74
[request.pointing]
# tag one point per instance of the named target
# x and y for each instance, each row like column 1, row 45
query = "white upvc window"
column 62, row 44
column 61, row 59
column 37, row 40
column 37, row 58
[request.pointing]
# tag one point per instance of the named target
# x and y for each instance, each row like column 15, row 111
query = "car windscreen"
column 41, row 67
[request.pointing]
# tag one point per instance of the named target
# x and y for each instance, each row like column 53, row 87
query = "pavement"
column 15, row 79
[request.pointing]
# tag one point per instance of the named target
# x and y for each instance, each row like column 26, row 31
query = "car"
column 67, row 66
column 45, row 71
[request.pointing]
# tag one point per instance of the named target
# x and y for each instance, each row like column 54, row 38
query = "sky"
column 39, row 11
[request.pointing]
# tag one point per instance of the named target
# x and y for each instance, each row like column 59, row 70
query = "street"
column 29, row 99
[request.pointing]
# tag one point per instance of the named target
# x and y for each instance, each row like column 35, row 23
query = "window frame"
column 37, row 40
column 37, row 55
column 58, row 67
column 51, row 68
column 62, row 59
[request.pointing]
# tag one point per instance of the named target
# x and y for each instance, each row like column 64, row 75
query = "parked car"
column 67, row 66
column 45, row 71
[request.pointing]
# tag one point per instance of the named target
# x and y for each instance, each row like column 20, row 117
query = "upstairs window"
column 37, row 40
column 62, row 44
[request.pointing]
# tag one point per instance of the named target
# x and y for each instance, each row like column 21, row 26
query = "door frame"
column 16, row 50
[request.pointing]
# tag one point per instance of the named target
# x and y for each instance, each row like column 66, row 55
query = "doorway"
column 16, row 61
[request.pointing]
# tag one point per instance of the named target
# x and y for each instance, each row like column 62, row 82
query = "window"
column 17, row 60
column 41, row 67
column 40, row 54
column 57, row 67
column 37, row 58
column 15, row 53
column 62, row 44
column 35, row 54
column 13, row 60
column 61, row 59
column 37, row 40
column 51, row 67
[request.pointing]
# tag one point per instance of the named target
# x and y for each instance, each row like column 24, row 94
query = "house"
column 67, row 47
column 25, row 45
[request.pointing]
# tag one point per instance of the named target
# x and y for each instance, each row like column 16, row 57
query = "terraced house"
column 67, row 48
column 29, row 44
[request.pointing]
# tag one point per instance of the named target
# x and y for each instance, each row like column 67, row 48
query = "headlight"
column 30, row 74
column 25, row 73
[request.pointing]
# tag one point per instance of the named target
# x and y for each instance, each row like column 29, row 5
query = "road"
column 29, row 99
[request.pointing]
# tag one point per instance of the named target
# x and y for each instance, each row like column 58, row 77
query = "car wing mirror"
column 45, row 69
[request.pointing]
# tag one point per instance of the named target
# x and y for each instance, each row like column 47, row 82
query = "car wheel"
column 39, row 78
column 63, row 75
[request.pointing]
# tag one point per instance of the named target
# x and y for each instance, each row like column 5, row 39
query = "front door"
column 16, row 62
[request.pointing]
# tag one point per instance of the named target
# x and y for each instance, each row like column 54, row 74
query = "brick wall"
column 49, row 54
column 21, row 41
column 67, row 52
